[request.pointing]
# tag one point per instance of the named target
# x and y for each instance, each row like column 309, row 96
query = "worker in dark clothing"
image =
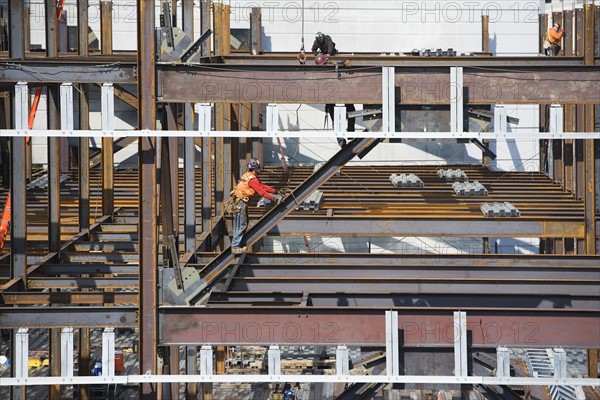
column 323, row 44
column 351, row 121
column 246, row 188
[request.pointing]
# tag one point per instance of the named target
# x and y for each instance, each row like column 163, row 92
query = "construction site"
column 420, row 182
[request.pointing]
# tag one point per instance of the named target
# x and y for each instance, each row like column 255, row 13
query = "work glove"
column 278, row 199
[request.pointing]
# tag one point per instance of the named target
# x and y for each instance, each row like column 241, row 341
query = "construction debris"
column 406, row 180
column 469, row 189
column 452, row 174
column 499, row 210
column 42, row 182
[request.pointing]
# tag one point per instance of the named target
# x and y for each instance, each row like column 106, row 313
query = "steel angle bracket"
column 171, row 294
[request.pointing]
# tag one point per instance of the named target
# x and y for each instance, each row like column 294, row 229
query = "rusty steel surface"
column 423, row 84
column 366, row 326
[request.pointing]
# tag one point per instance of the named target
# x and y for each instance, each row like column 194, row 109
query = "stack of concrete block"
column 496, row 210
column 469, row 188
column 406, row 180
column 452, row 174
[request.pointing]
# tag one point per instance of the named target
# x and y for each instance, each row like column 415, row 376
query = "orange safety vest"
column 4, row 222
column 242, row 189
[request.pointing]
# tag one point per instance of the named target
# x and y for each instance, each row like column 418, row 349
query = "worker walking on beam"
column 246, row 188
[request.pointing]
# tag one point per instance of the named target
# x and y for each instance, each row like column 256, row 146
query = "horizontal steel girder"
column 422, row 85
column 492, row 227
column 65, row 71
column 76, row 317
column 366, row 326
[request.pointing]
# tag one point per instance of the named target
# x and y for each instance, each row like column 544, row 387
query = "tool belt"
column 231, row 205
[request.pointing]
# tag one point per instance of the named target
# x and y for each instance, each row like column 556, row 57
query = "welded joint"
column 274, row 360
column 460, row 344
column 392, row 351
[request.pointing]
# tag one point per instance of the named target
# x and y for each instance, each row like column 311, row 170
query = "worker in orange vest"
column 552, row 40
column 246, row 188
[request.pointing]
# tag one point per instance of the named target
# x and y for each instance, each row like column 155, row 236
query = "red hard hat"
column 321, row 59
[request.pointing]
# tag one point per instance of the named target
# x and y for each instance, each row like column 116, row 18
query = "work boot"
column 238, row 250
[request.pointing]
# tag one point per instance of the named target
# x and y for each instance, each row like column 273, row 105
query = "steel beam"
column 205, row 24
column 77, row 317
column 189, row 184
column 361, row 226
column 76, row 72
column 417, row 85
column 69, row 298
column 366, row 326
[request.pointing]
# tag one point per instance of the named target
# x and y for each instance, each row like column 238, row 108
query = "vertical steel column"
column 108, row 125
column 84, row 159
column 560, row 363
column 460, row 344
column 256, row 31
column 206, row 360
column 82, row 28
column 18, row 257
column 392, row 351
column 274, row 360
column 342, row 360
column 340, row 124
column 218, row 23
column 16, row 22
column 51, row 29
column 456, row 99
column 389, row 100
column 106, row 40
column 84, row 361
column 20, row 358
column 555, row 125
column 500, row 125
column 591, row 247
column 205, row 24
column 191, row 390
column 148, row 236
column 187, row 17
column 204, row 125
column 226, row 26
column 206, row 368
column 108, row 352
column 21, row 353
column 54, row 391
column 592, row 363
column 54, row 100
column 66, row 352
column 485, row 33
column 189, row 186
